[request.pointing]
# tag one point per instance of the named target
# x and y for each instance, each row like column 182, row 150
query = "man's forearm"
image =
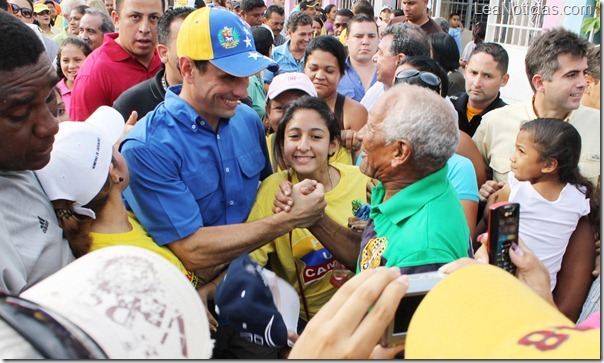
column 343, row 243
column 211, row 246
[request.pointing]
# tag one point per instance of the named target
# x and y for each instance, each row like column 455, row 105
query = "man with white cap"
column 196, row 160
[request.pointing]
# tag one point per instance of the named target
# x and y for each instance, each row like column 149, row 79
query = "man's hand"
column 283, row 199
column 308, row 203
column 345, row 327
column 127, row 127
column 488, row 188
column 350, row 141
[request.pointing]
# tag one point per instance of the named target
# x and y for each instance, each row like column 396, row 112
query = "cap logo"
column 228, row 38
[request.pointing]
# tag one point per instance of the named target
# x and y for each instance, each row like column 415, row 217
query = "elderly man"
column 93, row 26
column 416, row 220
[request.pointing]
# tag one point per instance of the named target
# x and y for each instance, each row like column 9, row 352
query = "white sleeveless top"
column 546, row 226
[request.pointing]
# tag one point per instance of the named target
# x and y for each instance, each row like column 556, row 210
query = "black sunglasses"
column 429, row 79
column 25, row 12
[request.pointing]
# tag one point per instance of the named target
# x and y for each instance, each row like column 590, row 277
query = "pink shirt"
column 65, row 93
column 107, row 72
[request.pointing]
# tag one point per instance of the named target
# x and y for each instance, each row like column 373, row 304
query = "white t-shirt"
column 546, row 226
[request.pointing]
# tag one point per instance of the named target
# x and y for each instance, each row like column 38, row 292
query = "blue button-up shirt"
column 184, row 175
column 351, row 85
column 286, row 62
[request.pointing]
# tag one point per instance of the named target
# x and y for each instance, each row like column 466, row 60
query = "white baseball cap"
column 132, row 302
column 80, row 158
column 290, row 81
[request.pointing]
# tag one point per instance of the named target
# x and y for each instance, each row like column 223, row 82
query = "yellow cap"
column 483, row 312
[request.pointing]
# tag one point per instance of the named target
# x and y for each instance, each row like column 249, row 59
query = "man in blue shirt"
column 360, row 72
column 290, row 56
column 197, row 159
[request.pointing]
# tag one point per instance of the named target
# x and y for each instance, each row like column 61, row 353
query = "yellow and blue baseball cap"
column 224, row 39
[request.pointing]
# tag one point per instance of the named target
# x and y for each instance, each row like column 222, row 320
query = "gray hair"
column 107, row 24
column 68, row 5
column 407, row 38
column 420, row 116
column 443, row 23
column 542, row 54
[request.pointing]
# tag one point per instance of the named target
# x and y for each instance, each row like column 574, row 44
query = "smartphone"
column 419, row 285
column 503, row 232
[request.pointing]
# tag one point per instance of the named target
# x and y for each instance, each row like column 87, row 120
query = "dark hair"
column 453, row 14
column 249, row 5
column 166, row 19
column 496, row 51
column 298, row 19
column 82, row 45
column 329, row 44
column 427, row 64
column 318, row 20
column 118, row 5
column 445, row 51
column 200, row 4
column 263, row 39
column 328, row 8
column 398, row 12
column 274, row 9
column 559, row 140
column 81, row 9
column 345, row 12
column 305, row 103
column 362, row 18
column 19, row 45
column 479, row 32
column 542, row 55
column 363, row 7
column 407, row 38
column 3, row 5
column 76, row 227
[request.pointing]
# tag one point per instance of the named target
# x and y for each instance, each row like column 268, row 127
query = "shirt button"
column 227, row 170
column 202, row 123
column 193, row 126
column 231, row 202
column 218, row 137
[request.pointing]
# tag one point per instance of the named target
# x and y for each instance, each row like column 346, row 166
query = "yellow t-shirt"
column 341, row 156
column 343, row 36
column 138, row 237
column 471, row 112
column 314, row 262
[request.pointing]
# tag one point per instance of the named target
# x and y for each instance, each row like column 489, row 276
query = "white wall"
column 518, row 88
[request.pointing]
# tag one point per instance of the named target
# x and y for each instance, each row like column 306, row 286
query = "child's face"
column 455, row 21
column 526, row 161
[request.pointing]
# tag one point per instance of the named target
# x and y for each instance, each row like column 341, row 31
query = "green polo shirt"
column 422, row 224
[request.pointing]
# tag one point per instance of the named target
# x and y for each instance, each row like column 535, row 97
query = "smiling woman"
column 324, row 64
column 307, row 135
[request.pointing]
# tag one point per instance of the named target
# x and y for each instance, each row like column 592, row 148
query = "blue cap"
column 244, row 300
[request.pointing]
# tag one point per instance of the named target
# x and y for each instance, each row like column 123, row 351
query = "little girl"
column 71, row 56
column 545, row 180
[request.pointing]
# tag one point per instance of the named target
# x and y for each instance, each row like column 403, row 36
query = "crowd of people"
column 341, row 149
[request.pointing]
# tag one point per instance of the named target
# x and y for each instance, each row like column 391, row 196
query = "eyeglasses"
column 429, row 79
column 25, row 12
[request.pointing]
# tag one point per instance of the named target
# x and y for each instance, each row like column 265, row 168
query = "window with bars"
column 514, row 22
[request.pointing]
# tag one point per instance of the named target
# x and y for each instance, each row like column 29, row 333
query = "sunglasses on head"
column 25, row 12
column 429, row 79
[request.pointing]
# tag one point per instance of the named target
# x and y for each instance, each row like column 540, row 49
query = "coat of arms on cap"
column 228, row 37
